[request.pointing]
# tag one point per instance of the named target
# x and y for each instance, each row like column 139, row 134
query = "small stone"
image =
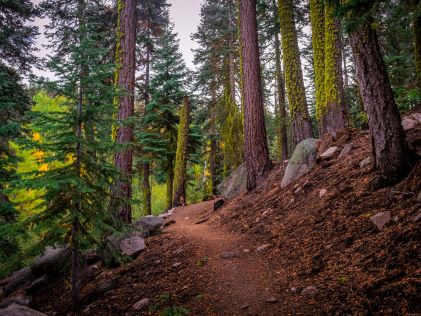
column 294, row 290
column 229, row 255
column 184, row 288
column 309, row 291
column 262, row 248
column 346, row 150
column 245, row 306
column 329, row 153
column 177, row 264
column 132, row 246
column 419, row 198
column 141, row 304
column 417, row 217
column 105, row 286
column 322, row 193
column 186, row 218
column 19, row 310
column 380, row 219
column 246, row 250
column 409, row 123
column 272, row 300
column 297, row 191
column 366, row 162
column 328, row 246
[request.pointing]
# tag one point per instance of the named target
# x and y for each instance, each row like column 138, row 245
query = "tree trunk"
column 180, row 172
column 255, row 140
column 280, row 90
column 389, row 147
column 125, row 80
column 301, row 124
column 170, row 181
column 146, row 187
column 333, row 115
column 213, row 145
column 417, row 39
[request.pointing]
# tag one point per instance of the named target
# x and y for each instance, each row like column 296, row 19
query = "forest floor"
column 308, row 249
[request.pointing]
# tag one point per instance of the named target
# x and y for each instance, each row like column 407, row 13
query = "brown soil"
column 329, row 243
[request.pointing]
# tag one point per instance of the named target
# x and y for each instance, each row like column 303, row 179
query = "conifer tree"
column 125, row 61
column 256, row 150
column 389, row 147
column 301, row 124
column 180, row 174
column 74, row 182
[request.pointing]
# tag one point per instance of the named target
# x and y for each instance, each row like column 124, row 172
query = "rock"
column 176, row 265
column 245, row 306
column 19, row 310
column 417, row 217
column 149, row 225
column 218, row 204
column 297, row 191
column 419, row 198
column 38, row 283
column 409, row 123
column 20, row 300
column 132, row 246
column 52, row 261
column 322, row 193
column 229, row 255
column 262, row 248
column 309, row 291
column 246, row 250
column 380, row 219
column 346, row 150
column 302, row 161
column 294, row 290
column 329, row 153
column 18, row 278
column 105, row 286
column 366, row 162
column 234, row 184
column 271, row 300
column 141, row 304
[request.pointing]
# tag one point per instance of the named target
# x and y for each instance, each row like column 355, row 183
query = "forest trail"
column 243, row 283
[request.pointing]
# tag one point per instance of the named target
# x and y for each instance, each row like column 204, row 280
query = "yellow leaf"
column 43, row 168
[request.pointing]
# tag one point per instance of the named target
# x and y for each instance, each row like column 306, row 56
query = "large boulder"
column 19, row 310
column 149, row 225
column 234, row 184
column 302, row 161
column 20, row 277
column 130, row 244
column 51, row 262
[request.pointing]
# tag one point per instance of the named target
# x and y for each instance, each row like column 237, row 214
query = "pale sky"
column 185, row 14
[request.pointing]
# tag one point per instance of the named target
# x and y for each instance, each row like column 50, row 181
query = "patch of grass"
column 202, row 262
column 342, row 280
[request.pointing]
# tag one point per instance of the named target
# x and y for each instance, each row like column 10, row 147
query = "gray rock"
column 309, row 291
column 141, row 304
column 19, row 310
column 366, row 162
column 294, row 290
column 329, row 153
column 105, row 286
column 246, row 250
column 322, row 193
column 419, row 198
column 409, row 123
column 380, row 219
column 38, row 283
column 245, row 306
column 51, row 262
column 234, row 184
column 149, row 225
column 132, row 246
column 346, row 150
column 263, row 248
column 20, row 300
column 417, row 217
column 18, row 278
column 302, row 161
column 176, row 265
column 229, row 255
column 271, row 300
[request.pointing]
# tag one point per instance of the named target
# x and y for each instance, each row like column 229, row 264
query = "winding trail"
column 242, row 285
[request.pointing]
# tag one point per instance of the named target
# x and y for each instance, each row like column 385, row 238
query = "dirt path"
column 241, row 285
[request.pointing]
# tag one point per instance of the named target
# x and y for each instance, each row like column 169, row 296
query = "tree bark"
column 170, row 181
column 280, row 90
column 180, row 172
column 333, row 115
column 125, row 80
column 389, row 147
column 255, row 140
column 301, row 124
column 213, row 145
column 416, row 25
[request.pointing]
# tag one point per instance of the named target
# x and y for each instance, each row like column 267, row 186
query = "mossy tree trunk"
column 213, row 144
column 389, row 146
column 125, row 81
column 301, row 124
column 180, row 170
column 281, row 97
column 255, row 141
column 416, row 25
column 169, row 180
column 333, row 114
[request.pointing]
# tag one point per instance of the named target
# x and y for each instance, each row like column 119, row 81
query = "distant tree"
column 120, row 204
column 301, row 124
column 180, row 175
column 390, row 151
column 256, row 150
